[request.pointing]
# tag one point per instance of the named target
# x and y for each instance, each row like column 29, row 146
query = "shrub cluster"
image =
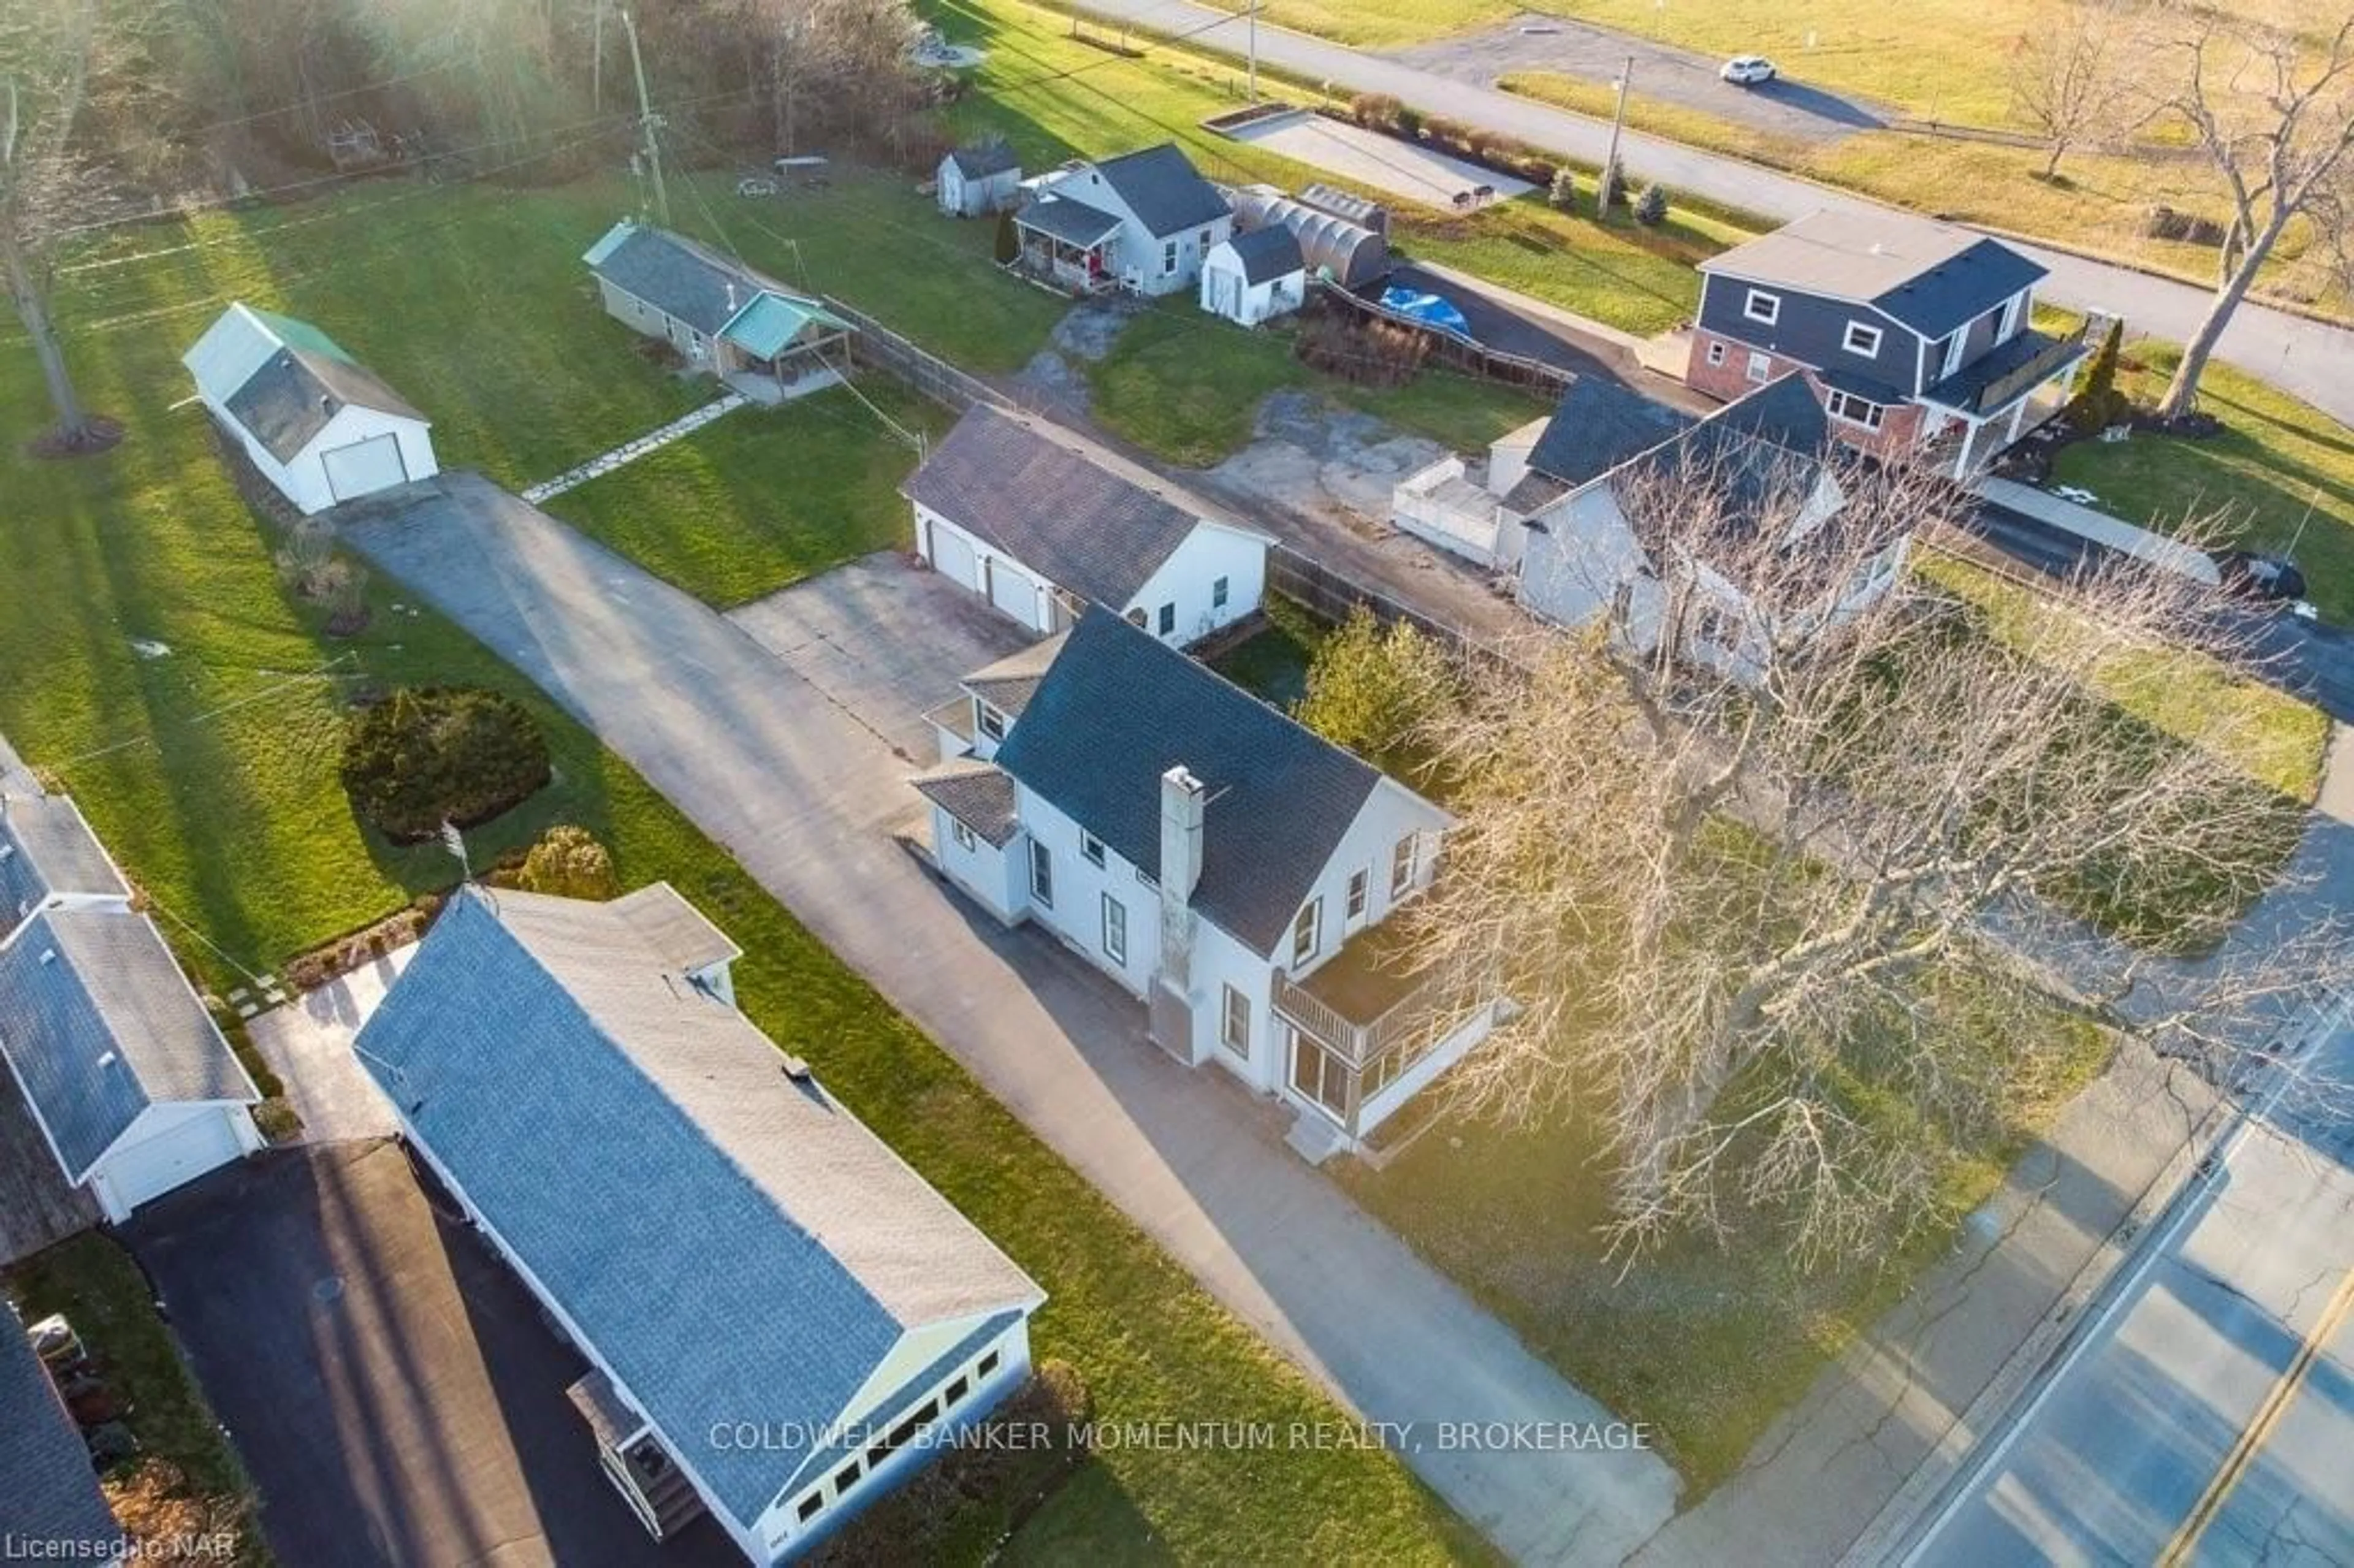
column 2164, row 222
column 440, row 754
column 1380, row 112
column 1368, row 352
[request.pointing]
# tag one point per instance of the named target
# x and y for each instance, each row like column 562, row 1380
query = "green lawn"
column 2281, row 475
column 210, row 771
column 100, row 1289
column 1272, row 662
column 1707, row 1341
column 764, row 497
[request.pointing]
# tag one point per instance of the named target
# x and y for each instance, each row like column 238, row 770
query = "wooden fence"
column 1457, row 352
column 927, row 371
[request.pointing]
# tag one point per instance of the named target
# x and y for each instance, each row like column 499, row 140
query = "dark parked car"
column 2253, row 576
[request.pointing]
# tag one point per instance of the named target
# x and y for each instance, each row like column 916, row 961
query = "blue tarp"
column 1428, row 308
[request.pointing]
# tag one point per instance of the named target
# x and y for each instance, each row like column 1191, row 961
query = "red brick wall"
column 1900, row 428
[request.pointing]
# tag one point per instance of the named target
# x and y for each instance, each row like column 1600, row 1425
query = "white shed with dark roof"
column 980, row 179
column 1042, row 523
column 321, row 427
column 1256, row 276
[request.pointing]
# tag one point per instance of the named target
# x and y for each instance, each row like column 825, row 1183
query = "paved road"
column 1781, row 108
column 782, row 753
column 2308, row 358
column 2208, row 1410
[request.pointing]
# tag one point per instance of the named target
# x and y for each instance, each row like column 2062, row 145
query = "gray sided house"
column 780, row 1316
column 972, row 182
column 1767, row 461
column 754, row 334
column 1914, row 334
column 1040, row 522
column 1144, row 221
column 1224, row 865
column 129, row 1083
column 50, row 1505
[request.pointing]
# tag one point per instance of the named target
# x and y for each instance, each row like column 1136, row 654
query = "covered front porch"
column 1981, row 411
column 1067, row 245
column 778, row 348
column 1363, row 1034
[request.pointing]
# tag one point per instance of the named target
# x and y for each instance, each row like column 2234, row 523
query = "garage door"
column 953, row 556
column 365, row 467
column 152, row 1167
column 1014, row 594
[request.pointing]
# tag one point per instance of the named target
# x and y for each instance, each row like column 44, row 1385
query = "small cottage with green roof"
column 754, row 334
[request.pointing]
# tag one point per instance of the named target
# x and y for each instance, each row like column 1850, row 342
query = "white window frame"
column 1716, row 352
column 1863, row 330
column 1041, row 875
column 1836, row 403
column 987, row 720
column 1230, row 1002
column 1405, row 864
column 1167, row 621
column 1760, row 368
column 1168, row 256
column 1760, row 307
column 1361, row 894
column 1308, row 931
column 1091, row 848
column 1115, row 931
column 966, row 839
column 1221, row 590
column 2009, row 322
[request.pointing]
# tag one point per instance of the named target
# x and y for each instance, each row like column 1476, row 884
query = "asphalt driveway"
column 390, row 1385
column 1779, row 108
column 804, row 792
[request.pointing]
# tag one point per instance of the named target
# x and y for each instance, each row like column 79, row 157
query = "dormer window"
column 987, row 720
column 1862, row 338
column 1762, row 307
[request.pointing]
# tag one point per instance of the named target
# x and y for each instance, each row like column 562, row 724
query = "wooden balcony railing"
column 1358, row 1042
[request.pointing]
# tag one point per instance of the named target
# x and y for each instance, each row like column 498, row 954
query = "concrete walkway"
column 308, row 1043
column 631, row 451
column 2305, row 357
column 806, row 792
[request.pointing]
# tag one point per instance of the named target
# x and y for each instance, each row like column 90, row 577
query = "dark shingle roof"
column 735, row 1244
column 1266, row 253
column 674, row 275
column 1596, row 426
column 49, row 1492
column 47, row 848
column 1119, row 709
column 1053, row 502
column 1750, row 455
column 1930, row 277
column 977, row 794
column 105, row 1028
column 1072, row 222
column 297, row 391
column 1163, row 189
column 978, row 162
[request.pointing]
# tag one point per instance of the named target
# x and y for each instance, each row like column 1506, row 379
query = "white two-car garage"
column 166, row 1149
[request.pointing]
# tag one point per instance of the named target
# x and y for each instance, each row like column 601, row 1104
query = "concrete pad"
column 1385, row 163
column 308, row 1043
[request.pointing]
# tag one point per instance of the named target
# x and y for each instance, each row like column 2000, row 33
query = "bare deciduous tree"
column 1780, row 915
column 2068, row 78
column 45, row 72
column 2274, row 116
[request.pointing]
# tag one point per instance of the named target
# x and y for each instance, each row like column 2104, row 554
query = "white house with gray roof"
column 783, row 1319
column 761, row 338
column 321, row 427
column 1254, row 277
column 974, row 181
column 131, row 1084
column 1041, row 523
column 1229, row 868
column 1143, row 221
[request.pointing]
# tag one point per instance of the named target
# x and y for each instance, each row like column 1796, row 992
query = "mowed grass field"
column 210, row 769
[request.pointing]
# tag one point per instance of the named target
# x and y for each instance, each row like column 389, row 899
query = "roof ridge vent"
column 48, row 956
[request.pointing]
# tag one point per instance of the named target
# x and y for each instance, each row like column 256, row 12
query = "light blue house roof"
column 97, row 1023
column 732, row 1243
column 46, row 849
column 767, row 326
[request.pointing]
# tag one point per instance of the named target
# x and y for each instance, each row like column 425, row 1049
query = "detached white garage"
column 129, row 1080
column 318, row 424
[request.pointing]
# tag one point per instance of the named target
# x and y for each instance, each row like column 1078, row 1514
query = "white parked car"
column 1747, row 70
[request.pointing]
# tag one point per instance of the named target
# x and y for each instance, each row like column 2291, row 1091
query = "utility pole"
column 1254, row 51
column 1608, row 189
column 648, row 119
column 597, row 62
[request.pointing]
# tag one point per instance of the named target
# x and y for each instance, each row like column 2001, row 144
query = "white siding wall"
column 1226, row 292
column 651, row 321
column 987, row 561
column 1570, row 570
column 1140, row 257
column 995, row 876
column 304, row 480
column 227, row 1127
column 1080, row 888
column 1188, row 580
